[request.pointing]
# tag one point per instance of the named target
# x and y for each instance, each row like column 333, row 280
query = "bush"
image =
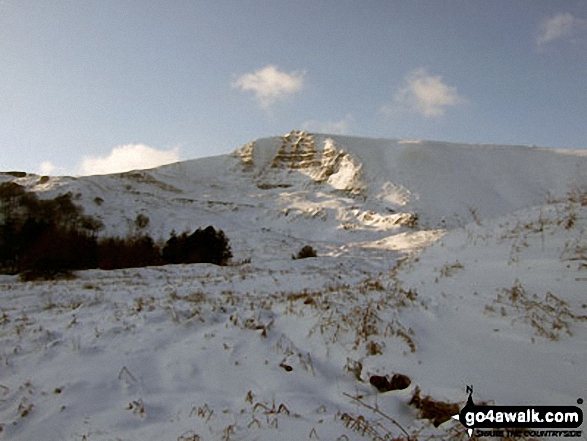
column 202, row 246
column 141, row 221
column 305, row 252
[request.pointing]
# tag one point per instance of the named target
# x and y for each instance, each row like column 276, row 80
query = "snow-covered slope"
column 452, row 264
column 321, row 188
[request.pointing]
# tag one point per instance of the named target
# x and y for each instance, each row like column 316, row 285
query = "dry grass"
column 435, row 411
column 550, row 317
column 383, row 427
column 449, row 269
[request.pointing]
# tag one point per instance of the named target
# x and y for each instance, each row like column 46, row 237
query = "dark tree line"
column 49, row 237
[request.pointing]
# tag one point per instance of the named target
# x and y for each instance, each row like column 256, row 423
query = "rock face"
column 300, row 161
column 297, row 152
column 246, row 155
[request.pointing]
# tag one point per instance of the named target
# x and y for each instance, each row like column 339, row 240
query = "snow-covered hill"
column 452, row 264
column 331, row 189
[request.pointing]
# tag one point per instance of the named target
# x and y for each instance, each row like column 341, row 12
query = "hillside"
column 452, row 264
column 330, row 189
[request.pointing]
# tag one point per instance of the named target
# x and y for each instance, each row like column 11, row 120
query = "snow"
column 487, row 288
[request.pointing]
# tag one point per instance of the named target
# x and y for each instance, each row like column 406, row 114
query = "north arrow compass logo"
column 469, row 406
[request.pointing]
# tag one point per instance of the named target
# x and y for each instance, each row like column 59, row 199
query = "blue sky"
column 97, row 86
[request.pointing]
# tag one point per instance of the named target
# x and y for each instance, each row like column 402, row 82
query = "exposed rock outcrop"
column 301, row 160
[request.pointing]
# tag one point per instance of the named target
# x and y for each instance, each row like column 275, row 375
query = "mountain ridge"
column 326, row 188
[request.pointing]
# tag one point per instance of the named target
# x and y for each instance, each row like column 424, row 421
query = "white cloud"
column 341, row 127
column 47, row 168
column 128, row 157
column 270, row 84
column 560, row 26
column 424, row 94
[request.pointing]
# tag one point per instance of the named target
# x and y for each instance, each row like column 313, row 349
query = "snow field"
column 486, row 289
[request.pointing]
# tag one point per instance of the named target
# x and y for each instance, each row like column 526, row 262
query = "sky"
column 99, row 86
